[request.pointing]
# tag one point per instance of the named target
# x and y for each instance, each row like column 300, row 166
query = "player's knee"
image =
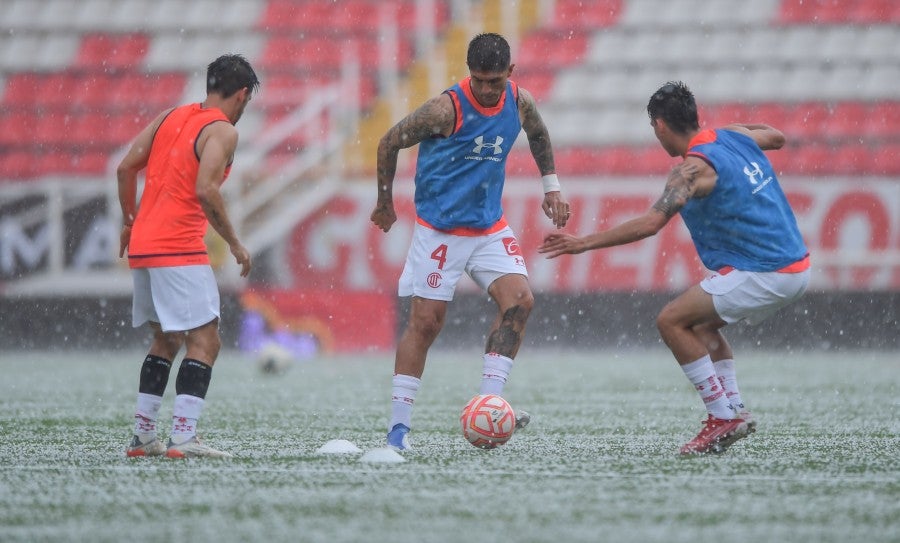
column 666, row 321
column 167, row 344
column 426, row 326
column 517, row 306
column 526, row 301
column 204, row 344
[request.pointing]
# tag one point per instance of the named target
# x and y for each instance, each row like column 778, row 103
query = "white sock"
column 728, row 379
column 703, row 376
column 403, row 396
column 145, row 414
column 184, row 417
column 495, row 373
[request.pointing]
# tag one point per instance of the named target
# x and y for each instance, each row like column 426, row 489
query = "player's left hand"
column 561, row 244
column 556, row 208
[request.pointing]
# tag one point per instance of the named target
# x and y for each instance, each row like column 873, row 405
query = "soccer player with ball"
column 743, row 228
column 464, row 136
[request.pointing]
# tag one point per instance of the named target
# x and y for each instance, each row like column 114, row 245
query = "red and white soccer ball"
column 488, row 421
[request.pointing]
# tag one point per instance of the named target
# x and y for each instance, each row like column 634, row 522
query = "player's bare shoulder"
column 680, row 187
column 437, row 116
column 527, row 104
column 222, row 133
column 531, row 119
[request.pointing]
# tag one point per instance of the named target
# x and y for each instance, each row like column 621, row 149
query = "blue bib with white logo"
column 459, row 179
column 746, row 221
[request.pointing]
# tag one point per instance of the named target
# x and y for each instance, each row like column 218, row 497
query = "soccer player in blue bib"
column 464, row 136
column 744, row 230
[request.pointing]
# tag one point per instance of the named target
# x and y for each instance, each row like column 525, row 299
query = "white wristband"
column 551, row 183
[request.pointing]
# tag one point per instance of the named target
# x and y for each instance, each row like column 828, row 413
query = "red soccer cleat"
column 138, row 448
column 716, row 436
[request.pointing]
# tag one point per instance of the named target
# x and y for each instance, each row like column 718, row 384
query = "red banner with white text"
column 851, row 226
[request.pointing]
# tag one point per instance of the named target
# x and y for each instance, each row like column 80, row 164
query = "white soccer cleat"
column 137, row 448
column 193, row 448
column 522, row 419
column 749, row 419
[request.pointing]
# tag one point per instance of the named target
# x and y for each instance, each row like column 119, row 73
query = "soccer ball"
column 274, row 359
column 488, row 421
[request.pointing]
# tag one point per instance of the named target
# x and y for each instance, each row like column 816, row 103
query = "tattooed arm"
column 765, row 136
column 680, row 186
column 435, row 117
column 536, row 130
column 554, row 206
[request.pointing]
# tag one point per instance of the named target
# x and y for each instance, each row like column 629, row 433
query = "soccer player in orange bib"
column 187, row 152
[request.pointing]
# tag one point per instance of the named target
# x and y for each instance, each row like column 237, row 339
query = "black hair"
column 674, row 103
column 488, row 52
column 228, row 74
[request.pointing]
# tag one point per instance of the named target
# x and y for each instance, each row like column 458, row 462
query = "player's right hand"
column 124, row 239
column 242, row 256
column 557, row 244
column 384, row 216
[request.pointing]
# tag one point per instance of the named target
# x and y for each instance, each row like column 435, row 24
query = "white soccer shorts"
column 179, row 298
column 436, row 261
column 753, row 296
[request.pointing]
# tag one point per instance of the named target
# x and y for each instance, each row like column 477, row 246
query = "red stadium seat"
column 407, row 18
column 16, row 127
column 812, row 11
column 581, row 15
column 882, row 121
column 770, row 113
column 538, row 82
column 869, row 11
column 886, row 160
column 847, row 120
column 22, row 89
column 852, row 159
column 552, row 48
column 92, row 90
column 105, row 51
column 294, row 15
column 811, row 159
column 17, row 164
column 56, row 90
column 806, row 120
column 313, row 54
column 723, row 114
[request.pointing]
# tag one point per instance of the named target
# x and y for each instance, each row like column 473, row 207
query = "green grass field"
column 598, row 463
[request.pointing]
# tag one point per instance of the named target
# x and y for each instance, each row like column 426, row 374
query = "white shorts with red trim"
column 179, row 298
column 436, row 261
column 753, row 296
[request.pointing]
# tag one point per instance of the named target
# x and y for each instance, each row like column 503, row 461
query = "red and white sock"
column 728, row 379
column 145, row 414
column 495, row 372
column 184, row 417
column 403, row 396
column 703, row 376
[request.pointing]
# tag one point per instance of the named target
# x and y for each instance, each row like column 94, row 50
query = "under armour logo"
column 751, row 174
column 480, row 144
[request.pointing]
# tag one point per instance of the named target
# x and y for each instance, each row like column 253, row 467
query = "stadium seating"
column 817, row 70
column 78, row 79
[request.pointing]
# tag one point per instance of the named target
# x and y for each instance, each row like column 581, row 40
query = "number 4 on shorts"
column 440, row 254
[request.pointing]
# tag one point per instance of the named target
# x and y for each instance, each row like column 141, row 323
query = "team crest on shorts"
column 512, row 246
column 434, row 279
